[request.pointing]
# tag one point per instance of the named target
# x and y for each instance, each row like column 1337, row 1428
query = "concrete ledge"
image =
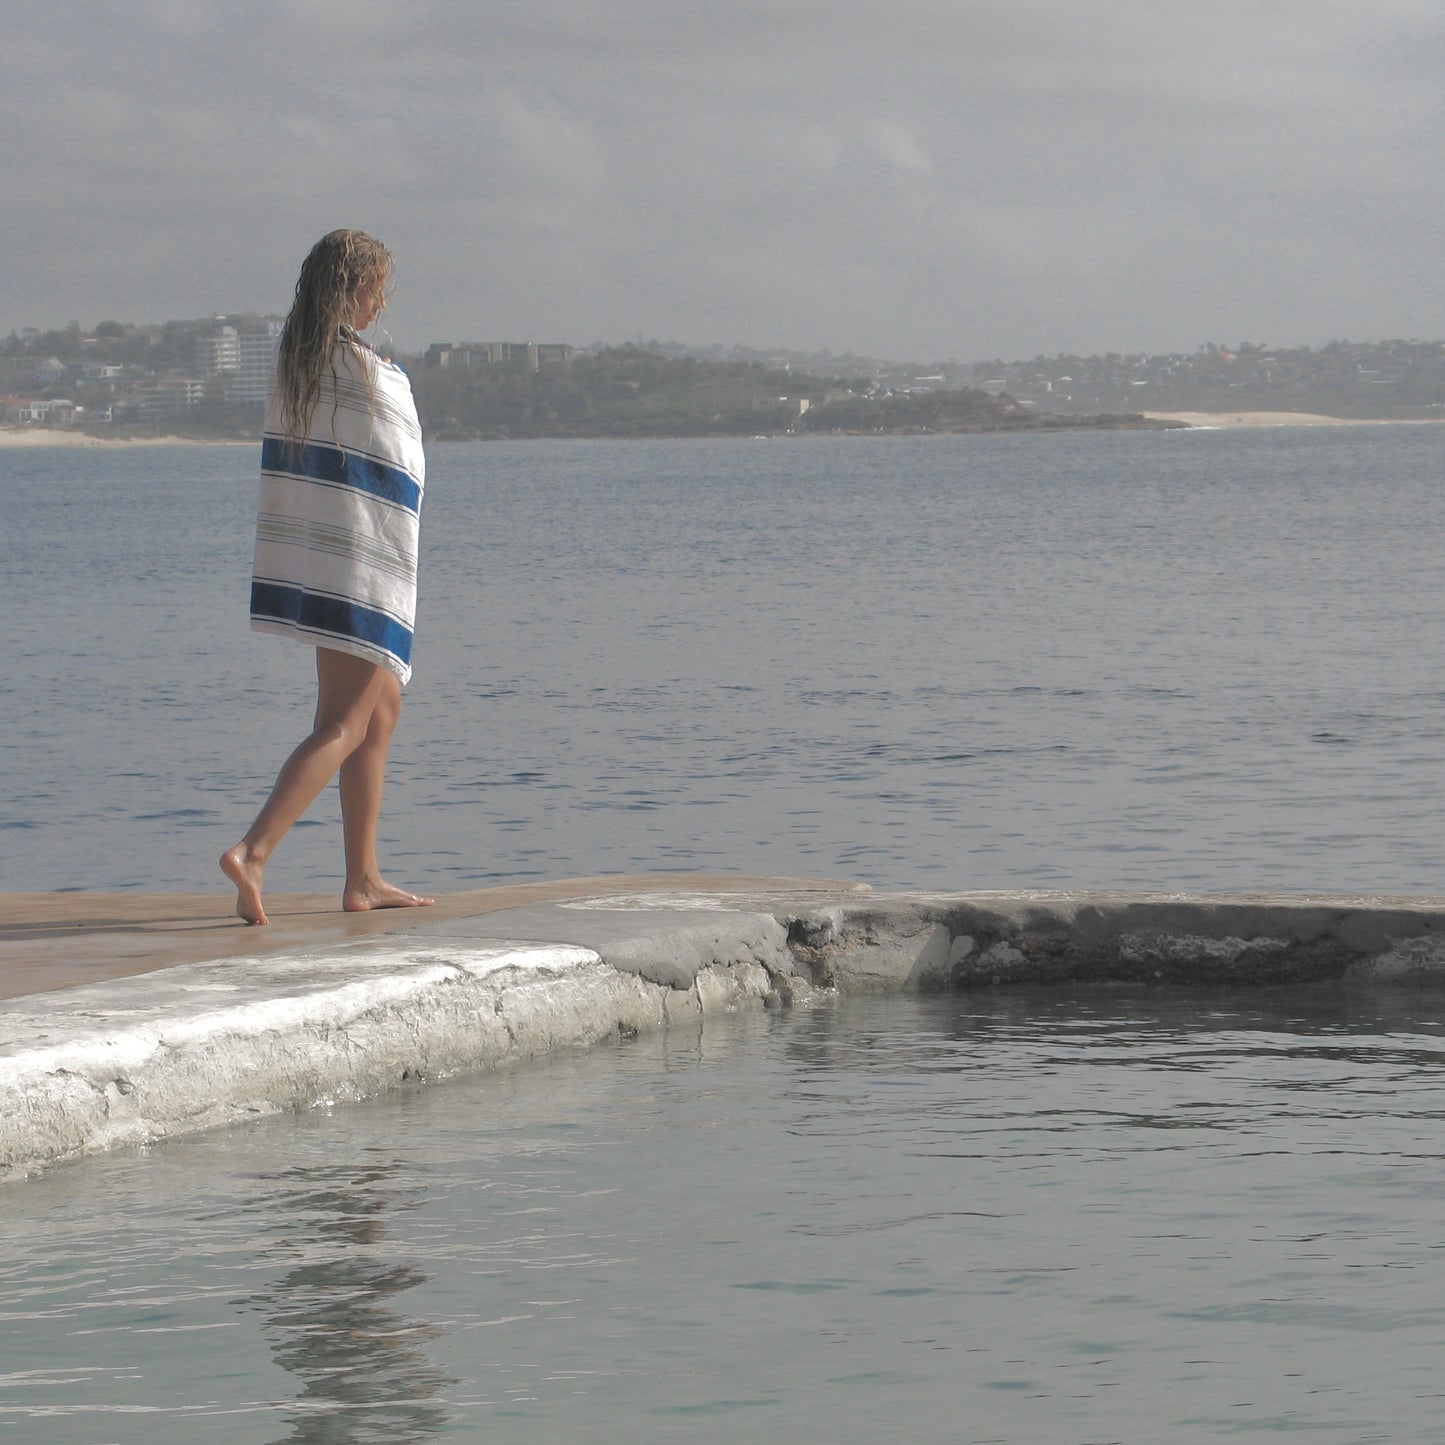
column 59, row 940
column 141, row 1057
column 951, row 941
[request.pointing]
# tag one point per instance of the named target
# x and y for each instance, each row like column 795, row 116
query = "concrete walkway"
column 57, row 940
column 128, row 1018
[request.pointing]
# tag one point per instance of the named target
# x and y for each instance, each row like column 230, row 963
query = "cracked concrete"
column 303, row 1019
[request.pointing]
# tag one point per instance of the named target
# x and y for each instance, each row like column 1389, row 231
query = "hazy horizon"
column 935, row 179
column 781, row 348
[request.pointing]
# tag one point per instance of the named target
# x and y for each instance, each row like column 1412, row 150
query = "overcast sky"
column 915, row 179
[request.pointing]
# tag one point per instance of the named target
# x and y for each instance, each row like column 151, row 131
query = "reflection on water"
column 363, row 1366
column 1099, row 1214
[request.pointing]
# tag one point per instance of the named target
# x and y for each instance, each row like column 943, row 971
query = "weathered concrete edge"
column 138, row 1059
column 955, row 941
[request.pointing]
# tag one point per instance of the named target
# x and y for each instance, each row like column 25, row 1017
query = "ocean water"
column 1206, row 660
column 1070, row 1217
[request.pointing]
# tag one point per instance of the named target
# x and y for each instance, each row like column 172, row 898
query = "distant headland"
column 207, row 380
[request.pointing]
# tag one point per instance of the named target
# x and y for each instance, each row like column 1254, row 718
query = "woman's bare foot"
column 377, row 893
column 245, row 873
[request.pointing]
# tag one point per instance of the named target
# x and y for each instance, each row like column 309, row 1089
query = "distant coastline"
column 207, row 380
column 1217, row 419
column 14, row 438
column 24, row 437
column 37, row 437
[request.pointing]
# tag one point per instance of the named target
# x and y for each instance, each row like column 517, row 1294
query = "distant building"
column 256, row 345
column 219, row 354
column 475, row 353
column 242, row 350
column 549, row 353
column 51, row 370
column 36, row 410
column 20, row 409
column 169, row 394
column 536, row 354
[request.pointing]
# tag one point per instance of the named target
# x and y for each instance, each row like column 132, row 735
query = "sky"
column 915, row 180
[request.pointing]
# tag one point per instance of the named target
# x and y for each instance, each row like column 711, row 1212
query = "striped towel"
column 336, row 533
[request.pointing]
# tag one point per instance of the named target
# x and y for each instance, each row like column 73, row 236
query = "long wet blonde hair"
column 341, row 267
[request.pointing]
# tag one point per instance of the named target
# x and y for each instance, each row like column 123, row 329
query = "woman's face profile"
column 367, row 301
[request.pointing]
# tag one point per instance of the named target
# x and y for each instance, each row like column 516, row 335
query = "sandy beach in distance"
column 45, row 436
column 41, row 436
column 1277, row 418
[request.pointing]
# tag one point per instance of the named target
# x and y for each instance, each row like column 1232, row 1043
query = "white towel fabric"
column 336, row 531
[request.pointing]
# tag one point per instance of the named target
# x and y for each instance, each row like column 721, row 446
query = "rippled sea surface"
column 1014, row 1217
column 1177, row 660
column 1193, row 661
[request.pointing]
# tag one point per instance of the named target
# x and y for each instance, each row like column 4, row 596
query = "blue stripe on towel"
column 334, row 616
column 332, row 464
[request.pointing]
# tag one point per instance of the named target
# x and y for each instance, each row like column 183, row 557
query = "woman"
column 342, row 473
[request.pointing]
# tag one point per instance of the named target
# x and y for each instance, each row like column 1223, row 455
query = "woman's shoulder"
column 354, row 358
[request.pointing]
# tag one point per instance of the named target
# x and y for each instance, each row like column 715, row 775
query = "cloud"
column 930, row 178
column 895, row 145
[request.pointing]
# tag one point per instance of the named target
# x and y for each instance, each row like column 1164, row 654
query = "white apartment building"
column 243, row 350
column 219, row 353
column 256, row 360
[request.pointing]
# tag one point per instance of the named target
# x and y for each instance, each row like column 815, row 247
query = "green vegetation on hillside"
column 631, row 392
column 958, row 410
column 619, row 392
column 1380, row 379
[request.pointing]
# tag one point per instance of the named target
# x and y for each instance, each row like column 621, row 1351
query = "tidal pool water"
column 1076, row 1216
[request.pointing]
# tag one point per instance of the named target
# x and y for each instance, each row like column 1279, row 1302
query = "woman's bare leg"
column 362, row 777
column 347, row 691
